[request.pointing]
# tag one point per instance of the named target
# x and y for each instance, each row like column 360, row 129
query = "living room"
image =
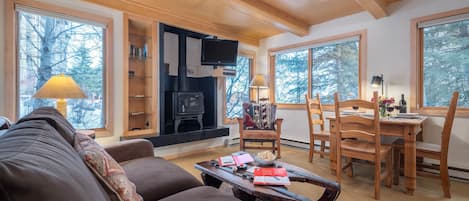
column 290, row 48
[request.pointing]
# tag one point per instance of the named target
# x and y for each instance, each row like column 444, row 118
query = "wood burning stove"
column 187, row 106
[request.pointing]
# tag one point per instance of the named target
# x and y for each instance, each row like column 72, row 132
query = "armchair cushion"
column 259, row 116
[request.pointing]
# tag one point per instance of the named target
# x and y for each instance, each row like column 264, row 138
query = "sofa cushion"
column 203, row 193
column 105, row 168
column 157, row 178
column 55, row 119
column 36, row 163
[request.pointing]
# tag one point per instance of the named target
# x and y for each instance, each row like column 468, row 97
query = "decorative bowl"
column 263, row 163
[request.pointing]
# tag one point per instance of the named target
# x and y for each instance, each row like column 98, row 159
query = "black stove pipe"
column 182, row 68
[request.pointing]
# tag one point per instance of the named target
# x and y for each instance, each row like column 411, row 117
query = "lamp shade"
column 376, row 81
column 259, row 81
column 60, row 87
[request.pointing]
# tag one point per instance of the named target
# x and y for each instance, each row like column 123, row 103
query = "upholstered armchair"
column 259, row 124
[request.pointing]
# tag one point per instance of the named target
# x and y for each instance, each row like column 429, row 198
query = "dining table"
column 405, row 128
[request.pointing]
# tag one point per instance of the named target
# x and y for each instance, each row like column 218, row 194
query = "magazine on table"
column 235, row 159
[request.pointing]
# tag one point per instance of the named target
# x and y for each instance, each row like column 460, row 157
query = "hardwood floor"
column 358, row 188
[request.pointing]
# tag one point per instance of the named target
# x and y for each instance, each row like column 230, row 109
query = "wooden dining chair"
column 316, row 118
column 433, row 151
column 359, row 137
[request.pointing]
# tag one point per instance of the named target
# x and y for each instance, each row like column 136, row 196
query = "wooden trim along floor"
column 360, row 187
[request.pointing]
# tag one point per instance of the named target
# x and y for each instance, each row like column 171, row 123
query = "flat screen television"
column 219, row 52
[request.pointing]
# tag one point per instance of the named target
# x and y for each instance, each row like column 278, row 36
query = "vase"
column 382, row 111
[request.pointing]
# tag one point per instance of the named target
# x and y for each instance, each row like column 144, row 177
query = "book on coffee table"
column 271, row 176
column 237, row 158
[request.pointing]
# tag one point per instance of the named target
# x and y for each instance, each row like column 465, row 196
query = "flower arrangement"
column 383, row 103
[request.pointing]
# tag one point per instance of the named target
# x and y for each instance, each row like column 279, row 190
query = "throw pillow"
column 105, row 168
column 259, row 116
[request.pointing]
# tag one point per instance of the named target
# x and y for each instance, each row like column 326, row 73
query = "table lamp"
column 259, row 82
column 60, row 87
column 377, row 81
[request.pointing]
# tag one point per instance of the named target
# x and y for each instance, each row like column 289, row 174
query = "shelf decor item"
column 60, row 87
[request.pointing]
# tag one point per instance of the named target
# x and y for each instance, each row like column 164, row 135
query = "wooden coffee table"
column 244, row 189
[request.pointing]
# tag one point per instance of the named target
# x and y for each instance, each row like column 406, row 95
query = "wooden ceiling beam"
column 133, row 7
column 377, row 8
column 276, row 17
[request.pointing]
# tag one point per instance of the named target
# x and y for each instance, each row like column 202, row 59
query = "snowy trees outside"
column 291, row 77
column 335, row 69
column 50, row 45
column 237, row 88
column 446, row 63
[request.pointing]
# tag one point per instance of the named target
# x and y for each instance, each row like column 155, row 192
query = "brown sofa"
column 38, row 162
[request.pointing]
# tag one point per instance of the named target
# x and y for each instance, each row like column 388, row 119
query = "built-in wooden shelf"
column 140, row 44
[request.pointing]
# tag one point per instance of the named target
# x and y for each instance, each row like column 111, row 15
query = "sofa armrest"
column 130, row 149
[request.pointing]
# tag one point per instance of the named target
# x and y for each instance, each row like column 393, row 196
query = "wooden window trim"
column 416, row 66
column 11, row 86
column 252, row 56
column 362, row 66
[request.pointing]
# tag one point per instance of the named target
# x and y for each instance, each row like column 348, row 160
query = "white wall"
column 388, row 53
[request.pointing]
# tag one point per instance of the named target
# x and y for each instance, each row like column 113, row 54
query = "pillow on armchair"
column 259, row 116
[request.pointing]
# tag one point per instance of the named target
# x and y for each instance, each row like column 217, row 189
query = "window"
column 335, row 68
column 443, row 61
column 324, row 66
column 237, row 88
column 291, row 77
column 49, row 41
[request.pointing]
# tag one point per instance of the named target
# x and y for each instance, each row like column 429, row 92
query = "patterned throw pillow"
column 105, row 168
column 259, row 116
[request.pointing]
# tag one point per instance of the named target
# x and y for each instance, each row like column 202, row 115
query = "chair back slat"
column 446, row 133
column 354, row 119
column 347, row 124
column 315, row 115
column 317, row 121
column 315, row 111
column 358, row 103
column 363, row 135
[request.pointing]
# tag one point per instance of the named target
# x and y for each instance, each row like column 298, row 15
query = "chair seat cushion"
column 156, row 178
column 203, row 193
column 260, row 134
column 362, row 146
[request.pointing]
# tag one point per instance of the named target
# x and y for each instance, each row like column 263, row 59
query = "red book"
column 271, row 176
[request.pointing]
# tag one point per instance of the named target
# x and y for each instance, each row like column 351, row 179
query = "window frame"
column 11, row 53
column 252, row 56
column 362, row 63
column 417, row 68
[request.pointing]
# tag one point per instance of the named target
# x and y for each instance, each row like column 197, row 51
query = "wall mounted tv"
column 219, row 52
